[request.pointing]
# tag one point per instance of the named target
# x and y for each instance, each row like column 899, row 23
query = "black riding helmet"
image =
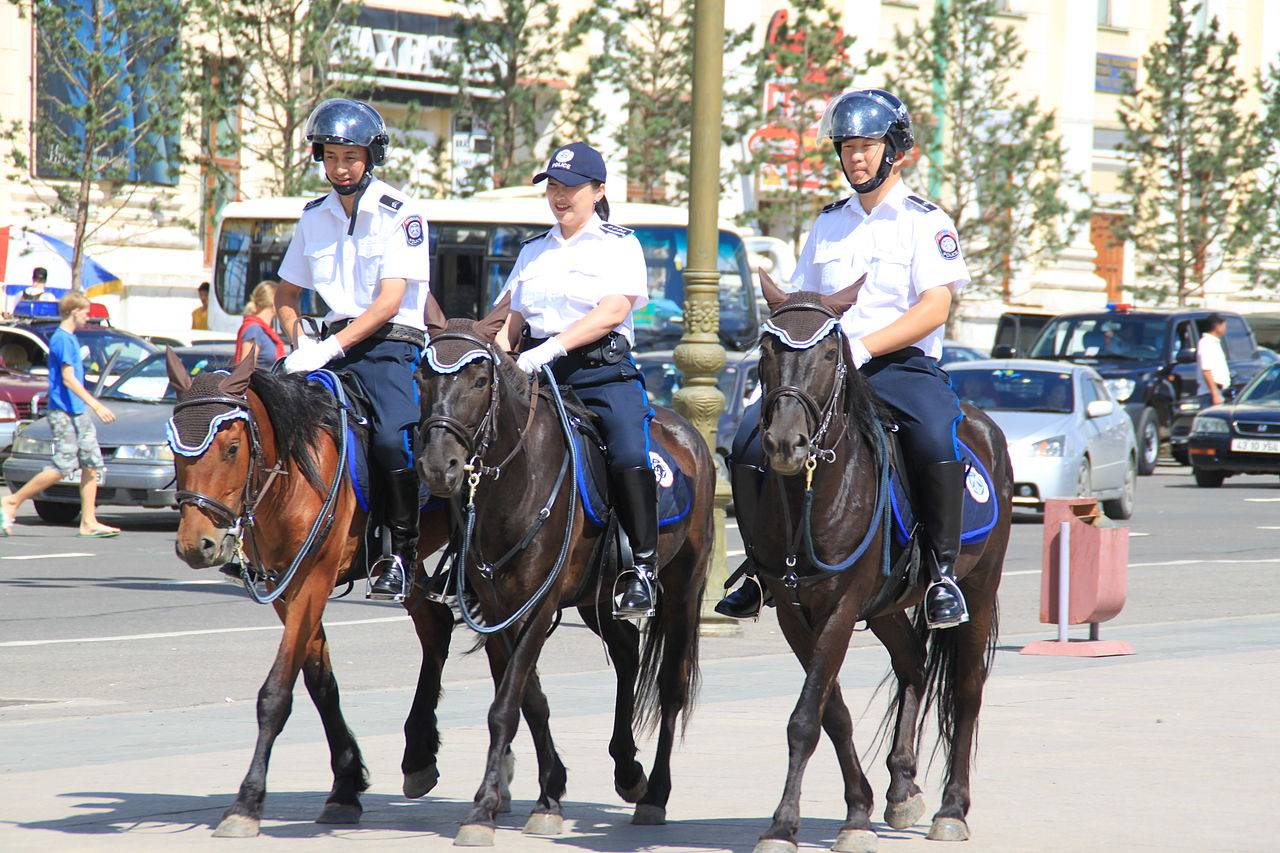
column 871, row 114
column 342, row 121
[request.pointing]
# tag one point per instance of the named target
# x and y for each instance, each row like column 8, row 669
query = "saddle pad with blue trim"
column 980, row 508
column 675, row 491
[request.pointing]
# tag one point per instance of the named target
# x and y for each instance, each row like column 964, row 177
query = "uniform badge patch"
column 663, row 474
column 564, row 155
column 948, row 244
column 615, row 230
column 413, row 231
column 976, row 486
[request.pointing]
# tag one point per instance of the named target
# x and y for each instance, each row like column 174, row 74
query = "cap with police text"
column 573, row 165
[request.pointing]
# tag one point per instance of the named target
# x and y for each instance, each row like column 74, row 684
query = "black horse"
column 484, row 428
column 831, row 456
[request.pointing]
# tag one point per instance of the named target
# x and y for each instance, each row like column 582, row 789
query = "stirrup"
column 394, row 561
column 650, row 587
column 440, row 587
column 954, row 588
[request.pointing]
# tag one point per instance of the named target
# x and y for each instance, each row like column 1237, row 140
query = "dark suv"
column 1148, row 360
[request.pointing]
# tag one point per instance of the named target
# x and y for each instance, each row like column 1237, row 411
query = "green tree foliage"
column 1258, row 229
column 416, row 163
column 259, row 67
column 997, row 158
column 1192, row 150
column 805, row 61
column 108, row 110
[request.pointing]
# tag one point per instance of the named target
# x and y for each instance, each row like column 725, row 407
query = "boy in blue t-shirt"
column 75, row 441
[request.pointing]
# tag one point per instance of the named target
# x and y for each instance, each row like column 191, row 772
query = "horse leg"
column 802, row 729
column 301, row 616
column 478, row 828
column 904, row 802
column 961, row 701
column 434, row 626
column 622, row 638
column 350, row 777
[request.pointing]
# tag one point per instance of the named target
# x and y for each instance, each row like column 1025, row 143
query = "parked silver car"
column 1067, row 437
column 138, row 462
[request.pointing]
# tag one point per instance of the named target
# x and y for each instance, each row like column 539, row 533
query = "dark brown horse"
column 838, row 445
column 484, row 429
column 261, row 456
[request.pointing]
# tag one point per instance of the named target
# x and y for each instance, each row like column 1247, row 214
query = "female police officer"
column 573, row 290
column 909, row 251
column 363, row 249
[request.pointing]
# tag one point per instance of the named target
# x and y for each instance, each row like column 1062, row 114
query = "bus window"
column 249, row 252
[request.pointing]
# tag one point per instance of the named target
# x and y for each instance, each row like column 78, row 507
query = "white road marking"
column 735, row 553
column 1133, row 534
column 1263, row 500
column 1264, row 527
column 160, row 636
column 200, row 582
column 732, row 525
column 1164, row 564
column 47, row 556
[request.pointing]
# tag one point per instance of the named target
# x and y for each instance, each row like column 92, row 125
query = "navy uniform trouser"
column 918, row 391
column 615, row 393
column 386, row 369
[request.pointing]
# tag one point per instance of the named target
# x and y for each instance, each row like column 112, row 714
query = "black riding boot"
column 745, row 601
column 401, row 518
column 638, row 512
column 941, row 490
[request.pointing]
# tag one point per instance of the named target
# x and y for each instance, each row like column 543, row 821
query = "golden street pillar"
column 699, row 355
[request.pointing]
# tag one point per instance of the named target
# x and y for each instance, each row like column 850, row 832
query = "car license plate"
column 1255, row 445
column 74, row 476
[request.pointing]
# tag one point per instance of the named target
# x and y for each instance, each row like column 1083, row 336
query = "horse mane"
column 299, row 413
column 867, row 414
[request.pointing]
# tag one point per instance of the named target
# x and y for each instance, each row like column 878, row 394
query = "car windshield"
column 1012, row 390
column 662, row 379
column 1109, row 336
column 148, row 382
column 1265, row 390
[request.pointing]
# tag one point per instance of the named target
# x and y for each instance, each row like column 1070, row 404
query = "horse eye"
column 232, row 450
column 481, row 382
column 831, row 354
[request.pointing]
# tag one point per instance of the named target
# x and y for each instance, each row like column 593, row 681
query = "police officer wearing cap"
column 363, row 248
column 908, row 249
column 573, row 291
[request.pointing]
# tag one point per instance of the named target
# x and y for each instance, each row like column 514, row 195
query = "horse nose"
column 208, row 549
column 790, row 444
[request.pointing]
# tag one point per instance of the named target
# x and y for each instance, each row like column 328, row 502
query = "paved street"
column 127, row 710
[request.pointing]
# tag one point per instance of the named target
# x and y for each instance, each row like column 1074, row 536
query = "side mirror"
column 1004, row 351
column 1100, row 409
column 1186, row 355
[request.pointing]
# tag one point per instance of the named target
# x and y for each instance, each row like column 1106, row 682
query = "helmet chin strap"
column 886, row 164
column 358, row 187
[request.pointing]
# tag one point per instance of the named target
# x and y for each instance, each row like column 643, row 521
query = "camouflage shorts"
column 75, row 441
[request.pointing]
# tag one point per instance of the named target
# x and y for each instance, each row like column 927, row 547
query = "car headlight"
column 147, row 452
column 32, row 446
column 1121, row 389
column 1049, row 446
column 1208, row 425
column 1188, row 406
column 7, row 411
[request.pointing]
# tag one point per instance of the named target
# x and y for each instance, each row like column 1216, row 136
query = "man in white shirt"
column 1212, row 373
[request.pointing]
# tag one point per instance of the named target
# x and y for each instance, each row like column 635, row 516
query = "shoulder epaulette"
column 835, row 205
column 314, row 203
column 615, row 230
column 391, row 202
column 920, row 204
column 535, row 237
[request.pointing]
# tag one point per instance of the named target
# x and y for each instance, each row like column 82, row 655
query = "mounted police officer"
column 363, row 249
column 573, row 291
column 910, row 252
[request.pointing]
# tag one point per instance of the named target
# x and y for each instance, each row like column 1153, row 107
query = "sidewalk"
column 1171, row 749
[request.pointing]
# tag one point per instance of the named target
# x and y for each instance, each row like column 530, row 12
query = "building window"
column 1109, row 260
column 1104, row 13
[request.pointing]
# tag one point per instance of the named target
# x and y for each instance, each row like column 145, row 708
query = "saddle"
column 980, row 512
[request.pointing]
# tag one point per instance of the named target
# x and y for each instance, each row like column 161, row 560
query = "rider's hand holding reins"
column 543, row 354
column 312, row 355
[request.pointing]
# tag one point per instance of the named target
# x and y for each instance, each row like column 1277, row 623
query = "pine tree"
column 416, row 164
column 1259, row 221
column 1192, row 151
column 997, row 167
column 804, row 63
column 107, row 112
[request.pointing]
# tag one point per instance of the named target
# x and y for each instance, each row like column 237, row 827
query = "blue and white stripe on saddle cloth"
column 675, row 491
column 980, row 508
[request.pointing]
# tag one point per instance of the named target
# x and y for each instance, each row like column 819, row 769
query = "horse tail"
column 941, row 674
column 661, row 631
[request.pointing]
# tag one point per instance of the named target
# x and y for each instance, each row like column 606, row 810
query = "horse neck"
column 266, row 432
column 509, row 423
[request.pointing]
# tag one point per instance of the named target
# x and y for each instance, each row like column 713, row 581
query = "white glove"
column 312, row 355
column 543, row 354
column 861, row 355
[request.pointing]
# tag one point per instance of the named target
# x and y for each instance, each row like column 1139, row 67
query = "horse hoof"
column 237, row 826
column 635, row 793
column 420, row 782
column 904, row 815
column 340, row 813
column 504, row 804
column 474, row 835
column 855, row 841
column 948, row 829
column 774, row 845
column 647, row 815
column 541, row 823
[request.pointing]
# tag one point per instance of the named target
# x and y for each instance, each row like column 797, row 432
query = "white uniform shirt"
column 557, row 282
column 906, row 245
column 1210, row 357
column 389, row 241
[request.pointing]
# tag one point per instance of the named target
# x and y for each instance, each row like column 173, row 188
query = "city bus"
column 474, row 244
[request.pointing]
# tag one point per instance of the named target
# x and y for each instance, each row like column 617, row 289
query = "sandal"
column 101, row 533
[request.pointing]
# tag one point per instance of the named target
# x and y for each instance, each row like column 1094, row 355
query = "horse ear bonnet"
column 193, row 427
column 801, row 321
column 450, row 354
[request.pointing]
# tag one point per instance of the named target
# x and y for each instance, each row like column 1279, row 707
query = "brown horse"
column 838, row 448
column 485, row 428
column 258, row 457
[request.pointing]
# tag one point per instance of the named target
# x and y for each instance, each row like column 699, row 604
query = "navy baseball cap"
column 573, row 165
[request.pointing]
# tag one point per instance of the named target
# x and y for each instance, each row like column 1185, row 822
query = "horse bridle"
column 817, row 418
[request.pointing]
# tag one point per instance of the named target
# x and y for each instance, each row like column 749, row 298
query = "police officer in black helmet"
column 909, row 251
column 363, row 248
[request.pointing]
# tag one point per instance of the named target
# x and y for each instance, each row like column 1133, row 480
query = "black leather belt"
column 386, row 332
column 610, row 349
